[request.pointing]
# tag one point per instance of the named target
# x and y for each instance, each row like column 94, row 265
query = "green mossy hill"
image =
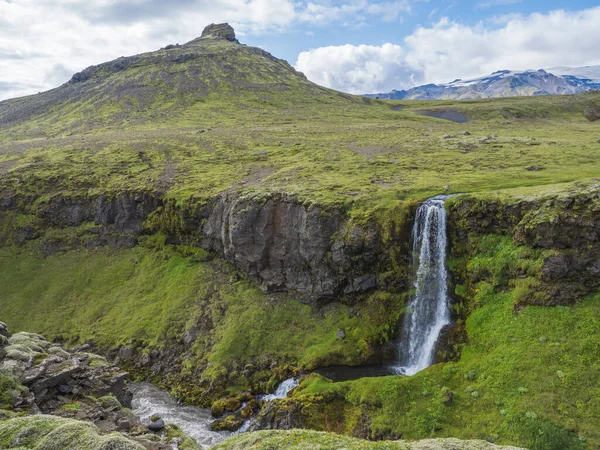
column 314, row 440
column 42, row 432
column 164, row 302
column 527, row 379
column 334, row 151
column 211, row 116
column 165, row 85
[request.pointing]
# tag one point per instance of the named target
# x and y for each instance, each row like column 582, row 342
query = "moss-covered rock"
column 302, row 439
column 224, row 405
column 43, row 432
column 230, row 423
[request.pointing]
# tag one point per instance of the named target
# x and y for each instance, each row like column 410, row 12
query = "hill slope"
column 162, row 86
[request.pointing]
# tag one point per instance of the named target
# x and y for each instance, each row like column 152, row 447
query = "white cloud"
column 493, row 3
column 352, row 12
column 43, row 42
column 449, row 50
column 355, row 69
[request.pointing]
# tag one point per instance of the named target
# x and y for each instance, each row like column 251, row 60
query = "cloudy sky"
column 358, row 46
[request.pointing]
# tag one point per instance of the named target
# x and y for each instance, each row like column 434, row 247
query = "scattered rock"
column 449, row 136
column 340, row 334
column 533, row 168
column 446, row 188
column 3, row 330
column 592, row 113
column 465, row 133
column 125, row 354
column 156, row 424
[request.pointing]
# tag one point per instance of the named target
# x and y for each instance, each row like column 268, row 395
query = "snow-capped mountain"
column 507, row 83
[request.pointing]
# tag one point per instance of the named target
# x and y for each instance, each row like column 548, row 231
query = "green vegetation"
column 42, row 432
column 230, row 118
column 302, row 439
column 10, row 390
column 527, row 378
column 147, row 298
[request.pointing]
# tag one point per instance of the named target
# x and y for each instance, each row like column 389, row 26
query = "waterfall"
column 428, row 309
column 281, row 392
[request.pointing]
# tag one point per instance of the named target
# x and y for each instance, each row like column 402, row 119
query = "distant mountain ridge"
column 506, row 83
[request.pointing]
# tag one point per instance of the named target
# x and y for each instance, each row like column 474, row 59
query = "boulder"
column 156, row 424
column 3, row 330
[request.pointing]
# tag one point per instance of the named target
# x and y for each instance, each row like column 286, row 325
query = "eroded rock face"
column 285, row 245
column 281, row 243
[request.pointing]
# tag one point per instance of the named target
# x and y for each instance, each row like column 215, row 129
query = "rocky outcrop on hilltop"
column 219, row 31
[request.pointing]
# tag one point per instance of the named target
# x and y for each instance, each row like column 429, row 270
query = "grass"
column 304, row 439
column 527, row 379
column 235, row 120
column 149, row 297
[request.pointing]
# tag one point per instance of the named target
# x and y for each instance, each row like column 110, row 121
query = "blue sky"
column 376, row 31
column 357, row 46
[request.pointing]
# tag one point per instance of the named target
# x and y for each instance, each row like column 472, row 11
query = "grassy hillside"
column 148, row 297
column 215, row 116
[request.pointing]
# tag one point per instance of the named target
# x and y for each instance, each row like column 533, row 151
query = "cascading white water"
column 149, row 400
column 281, row 392
column 429, row 309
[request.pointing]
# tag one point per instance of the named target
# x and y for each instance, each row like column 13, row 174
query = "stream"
column 195, row 422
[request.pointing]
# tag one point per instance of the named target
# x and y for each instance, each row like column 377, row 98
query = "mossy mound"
column 43, row 432
column 315, row 440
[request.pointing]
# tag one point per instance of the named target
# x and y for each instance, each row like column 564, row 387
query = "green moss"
column 10, row 391
column 42, row 432
column 535, row 372
column 303, row 439
column 145, row 298
column 173, row 431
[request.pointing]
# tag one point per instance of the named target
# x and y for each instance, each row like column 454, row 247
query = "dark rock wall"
column 282, row 244
column 285, row 245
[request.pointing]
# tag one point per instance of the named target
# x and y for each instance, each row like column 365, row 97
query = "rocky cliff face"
column 280, row 243
column 565, row 225
column 285, row 245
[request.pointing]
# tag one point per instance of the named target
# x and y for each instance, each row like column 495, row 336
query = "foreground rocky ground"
column 54, row 399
